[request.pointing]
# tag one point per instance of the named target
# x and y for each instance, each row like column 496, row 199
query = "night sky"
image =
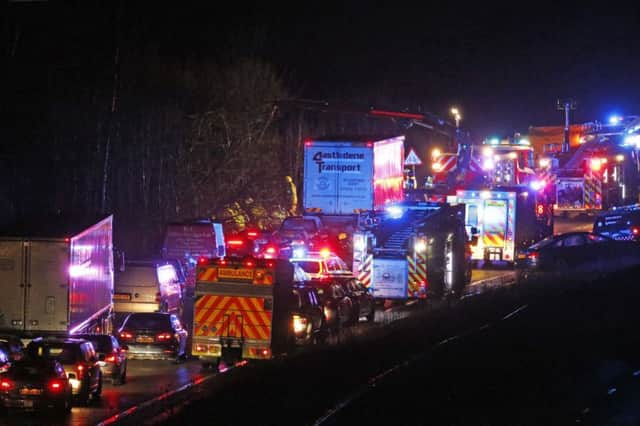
column 504, row 67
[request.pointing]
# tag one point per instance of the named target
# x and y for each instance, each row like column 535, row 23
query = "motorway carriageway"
column 153, row 387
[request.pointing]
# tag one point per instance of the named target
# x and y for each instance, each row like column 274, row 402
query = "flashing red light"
column 252, row 234
column 325, row 252
column 235, row 242
column 369, row 144
column 222, row 262
column 202, row 259
column 55, row 386
column 595, row 164
column 308, row 142
column 270, row 264
column 635, row 231
column 6, row 384
column 270, row 250
column 248, row 264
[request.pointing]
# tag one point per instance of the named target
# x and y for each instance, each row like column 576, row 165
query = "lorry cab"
column 148, row 286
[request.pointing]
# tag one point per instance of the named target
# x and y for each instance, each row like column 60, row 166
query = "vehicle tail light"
column 80, row 370
column 110, row 358
column 163, row 337
column 235, row 243
column 299, row 324
column 126, row 335
column 635, row 230
column 533, row 255
column 56, row 386
column 252, row 234
column 6, row 385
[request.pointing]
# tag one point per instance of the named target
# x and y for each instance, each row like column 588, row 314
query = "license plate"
column 25, row 391
column 122, row 296
column 27, row 403
column 240, row 273
column 144, row 339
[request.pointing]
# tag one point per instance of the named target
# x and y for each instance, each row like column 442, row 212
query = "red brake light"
column 110, row 358
column 270, row 250
column 6, row 384
column 164, row 336
column 533, row 255
column 248, row 264
column 235, row 242
column 252, row 234
column 126, row 335
column 56, row 386
column 635, row 230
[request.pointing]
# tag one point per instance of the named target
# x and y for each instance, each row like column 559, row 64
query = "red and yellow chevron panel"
column 232, row 316
column 494, row 239
column 364, row 274
column 417, row 275
column 592, row 191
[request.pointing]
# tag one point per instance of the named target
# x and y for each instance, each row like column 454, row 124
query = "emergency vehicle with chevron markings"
column 244, row 309
column 413, row 250
column 506, row 220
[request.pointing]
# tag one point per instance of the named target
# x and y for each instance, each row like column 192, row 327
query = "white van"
column 148, row 286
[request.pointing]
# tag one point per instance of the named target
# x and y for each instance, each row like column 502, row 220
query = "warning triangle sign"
column 412, row 159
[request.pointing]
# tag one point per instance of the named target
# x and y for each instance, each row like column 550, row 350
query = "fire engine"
column 602, row 172
column 413, row 250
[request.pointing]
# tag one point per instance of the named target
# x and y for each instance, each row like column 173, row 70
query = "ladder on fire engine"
column 397, row 240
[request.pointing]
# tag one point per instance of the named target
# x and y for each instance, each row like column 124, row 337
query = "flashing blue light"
column 298, row 252
column 395, row 212
column 494, row 141
column 537, row 185
column 615, row 120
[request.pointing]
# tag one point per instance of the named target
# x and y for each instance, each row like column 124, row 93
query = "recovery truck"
column 57, row 285
column 242, row 310
column 413, row 250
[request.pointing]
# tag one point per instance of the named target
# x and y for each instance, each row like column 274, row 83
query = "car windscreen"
column 309, row 266
column 542, row 243
column 66, row 354
column 31, row 370
column 153, row 322
column 100, row 343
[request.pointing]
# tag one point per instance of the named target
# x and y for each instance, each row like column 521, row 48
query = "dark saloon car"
column 153, row 335
column 619, row 223
column 339, row 309
column 576, row 256
column 361, row 297
column 36, row 384
column 79, row 360
column 112, row 357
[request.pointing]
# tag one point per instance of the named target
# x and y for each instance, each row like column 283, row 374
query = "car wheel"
column 372, row 315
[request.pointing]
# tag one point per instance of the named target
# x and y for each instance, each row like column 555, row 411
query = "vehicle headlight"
column 299, row 324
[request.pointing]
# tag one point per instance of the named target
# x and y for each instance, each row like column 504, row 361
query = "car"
column 153, row 335
column 363, row 302
column 339, row 309
column 307, row 313
column 36, row 384
column 112, row 357
column 575, row 256
column 79, row 360
column 322, row 265
column 619, row 223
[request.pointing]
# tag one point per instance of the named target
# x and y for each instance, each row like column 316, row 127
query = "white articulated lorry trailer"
column 57, row 285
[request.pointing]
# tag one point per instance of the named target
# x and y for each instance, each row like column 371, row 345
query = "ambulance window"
column 472, row 215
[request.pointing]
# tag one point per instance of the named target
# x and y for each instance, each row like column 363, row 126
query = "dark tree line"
column 106, row 111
